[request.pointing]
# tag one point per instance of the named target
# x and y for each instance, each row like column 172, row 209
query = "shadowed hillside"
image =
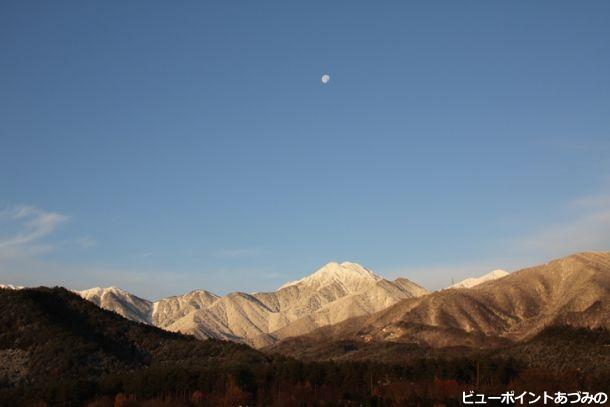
column 56, row 334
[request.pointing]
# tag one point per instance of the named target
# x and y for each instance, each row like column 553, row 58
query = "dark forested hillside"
column 65, row 336
column 58, row 349
column 50, row 337
column 557, row 348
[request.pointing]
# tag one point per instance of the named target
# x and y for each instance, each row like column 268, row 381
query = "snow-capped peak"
column 474, row 281
column 350, row 275
column 120, row 301
column 100, row 291
column 11, row 287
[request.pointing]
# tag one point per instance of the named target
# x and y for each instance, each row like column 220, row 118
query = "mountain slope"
column 11, row 287
column 332, row 294
column 119, row 301
column 574, row 290
column 474, row 281
column 166, row 311
column 378, row 296
column 352, row 276
column 52, row 333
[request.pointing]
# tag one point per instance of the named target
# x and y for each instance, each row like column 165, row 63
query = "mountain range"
column 345, row 301
column 58, row 349
column 571, row 291
column 332, row 294
column 547, row 325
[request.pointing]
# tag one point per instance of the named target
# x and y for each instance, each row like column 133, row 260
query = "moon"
column 325, row 78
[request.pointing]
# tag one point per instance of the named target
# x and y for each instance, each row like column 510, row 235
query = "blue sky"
column 166, row 147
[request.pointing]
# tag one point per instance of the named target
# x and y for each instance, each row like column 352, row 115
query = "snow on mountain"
column 168, row 310
column 11, row 287
column 572, row 291
column 378, row 296
column 332, row 294
column 474, row 281
column 119, row 301
column 352, row 276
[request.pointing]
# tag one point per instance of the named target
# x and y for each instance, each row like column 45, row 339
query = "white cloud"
column 30, row 225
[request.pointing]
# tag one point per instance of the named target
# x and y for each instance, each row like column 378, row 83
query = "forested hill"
column 53, row 334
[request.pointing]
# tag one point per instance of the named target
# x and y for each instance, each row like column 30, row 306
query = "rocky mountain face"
column 573, row 291
column 332, row 294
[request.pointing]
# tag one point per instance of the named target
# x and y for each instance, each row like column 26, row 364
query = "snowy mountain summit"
column 99, row 292
column 353, row 277
column 119, row 301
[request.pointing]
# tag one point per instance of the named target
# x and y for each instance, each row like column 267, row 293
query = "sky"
column 165, row 147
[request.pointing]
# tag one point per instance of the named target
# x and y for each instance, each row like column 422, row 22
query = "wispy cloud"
column 586, row 227
column 29, row 225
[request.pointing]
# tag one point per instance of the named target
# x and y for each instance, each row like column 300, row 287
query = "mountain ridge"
column 573, row 290
column 334, row 292
column 299, row 306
